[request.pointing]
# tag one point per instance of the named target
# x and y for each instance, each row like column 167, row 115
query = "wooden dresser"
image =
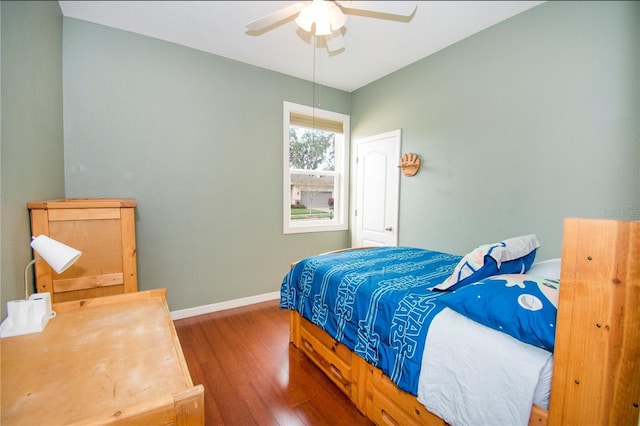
column 103, row 229
column 107, row 360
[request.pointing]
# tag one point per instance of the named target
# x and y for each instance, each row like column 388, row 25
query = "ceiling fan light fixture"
column 323, row 26
column 336, row 17
column 326, row 16
column 305, row 19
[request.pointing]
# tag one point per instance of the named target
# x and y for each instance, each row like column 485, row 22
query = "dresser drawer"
column 392, row 406
column 333, row 358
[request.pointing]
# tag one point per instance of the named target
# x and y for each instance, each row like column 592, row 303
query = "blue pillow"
column 511, row 256
column 520, row 305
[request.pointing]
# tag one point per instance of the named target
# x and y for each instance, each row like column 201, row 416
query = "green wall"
column 528, row 122
column 196, row 139
column 32, row 158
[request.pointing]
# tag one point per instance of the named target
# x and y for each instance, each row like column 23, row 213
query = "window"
column 316, row 169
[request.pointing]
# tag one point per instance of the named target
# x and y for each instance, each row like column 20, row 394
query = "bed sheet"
column 474, row 375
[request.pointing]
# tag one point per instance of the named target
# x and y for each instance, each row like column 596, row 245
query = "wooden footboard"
column 372, row 392
column 596, row 373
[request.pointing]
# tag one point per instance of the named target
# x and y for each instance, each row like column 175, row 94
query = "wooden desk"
column 108, row 360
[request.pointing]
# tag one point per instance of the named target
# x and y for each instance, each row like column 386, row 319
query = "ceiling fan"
column 326, row 18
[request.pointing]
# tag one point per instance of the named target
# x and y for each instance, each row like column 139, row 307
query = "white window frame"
column 340, row 221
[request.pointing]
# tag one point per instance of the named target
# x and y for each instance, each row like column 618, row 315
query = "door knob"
column 388, row 228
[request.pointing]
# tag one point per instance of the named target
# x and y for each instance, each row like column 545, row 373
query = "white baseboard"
column 221, row 306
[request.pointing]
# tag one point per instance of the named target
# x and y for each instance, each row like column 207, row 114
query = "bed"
column 401, row 332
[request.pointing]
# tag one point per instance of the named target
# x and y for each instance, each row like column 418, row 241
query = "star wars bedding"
column 377, row 302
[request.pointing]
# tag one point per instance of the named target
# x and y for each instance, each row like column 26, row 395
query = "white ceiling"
column 374, row 47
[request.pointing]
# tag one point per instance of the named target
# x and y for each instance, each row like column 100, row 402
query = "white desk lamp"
column 32, row 314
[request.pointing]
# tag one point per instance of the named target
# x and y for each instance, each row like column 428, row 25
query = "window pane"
column 311, row 149
column 312, row 197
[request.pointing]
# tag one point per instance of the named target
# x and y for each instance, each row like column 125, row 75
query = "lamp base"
column 27, row 316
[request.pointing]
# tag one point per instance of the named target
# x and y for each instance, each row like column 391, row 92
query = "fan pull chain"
column 313, row 93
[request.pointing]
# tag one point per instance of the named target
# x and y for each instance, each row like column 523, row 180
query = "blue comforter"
column 376, row 302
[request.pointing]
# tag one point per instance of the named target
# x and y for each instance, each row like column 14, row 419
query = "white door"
column 377, row 190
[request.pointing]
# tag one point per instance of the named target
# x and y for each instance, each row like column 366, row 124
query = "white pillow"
column 549, row 269
column 511, row 256
column 512, row 248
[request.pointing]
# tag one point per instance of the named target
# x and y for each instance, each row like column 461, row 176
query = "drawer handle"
column 388, row 419
column 307, row 344
column 336, row 372
column 339, row 377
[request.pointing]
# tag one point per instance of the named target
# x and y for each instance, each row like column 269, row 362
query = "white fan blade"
column 275, row 17
column 400, row 8
column 335, row 41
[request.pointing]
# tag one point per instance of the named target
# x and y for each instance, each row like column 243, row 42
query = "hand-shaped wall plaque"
column 409, row 164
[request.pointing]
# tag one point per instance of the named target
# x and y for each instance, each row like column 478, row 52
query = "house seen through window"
column 316, row 169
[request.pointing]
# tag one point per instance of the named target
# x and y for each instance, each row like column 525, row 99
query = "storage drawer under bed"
column 385, row 404
column 332, row 357
column 391, row 406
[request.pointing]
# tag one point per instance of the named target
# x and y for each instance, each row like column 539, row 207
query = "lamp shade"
column 337, row 19
column 305, row 19
column 58, row 255
column 325, row 14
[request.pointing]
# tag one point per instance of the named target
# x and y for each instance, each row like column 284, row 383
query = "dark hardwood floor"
column 252, row 375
